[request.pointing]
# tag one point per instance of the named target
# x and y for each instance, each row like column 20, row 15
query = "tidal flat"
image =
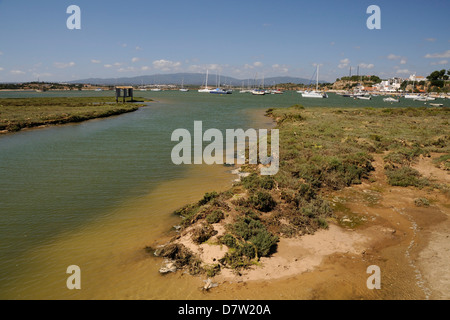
column 20, row 113
column 349, row 194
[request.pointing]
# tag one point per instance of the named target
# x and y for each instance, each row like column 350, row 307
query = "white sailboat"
column 205, row 90
column 182, row 87
column 390, row 100
column 142, row 87
column 157, row 89
column 316, row 93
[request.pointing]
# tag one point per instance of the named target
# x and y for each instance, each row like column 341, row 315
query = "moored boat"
column 315, row 93
column 258, row 92
column 390, row 100
column 220, row 91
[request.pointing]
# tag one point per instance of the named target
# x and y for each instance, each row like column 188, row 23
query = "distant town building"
column 390, row 85
column 413, row 77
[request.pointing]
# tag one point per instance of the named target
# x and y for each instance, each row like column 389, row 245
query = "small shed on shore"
column 127, row 92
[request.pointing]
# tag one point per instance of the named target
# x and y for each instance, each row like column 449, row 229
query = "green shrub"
column 203, row 233
column 255, row 181
column 247, row 249
column 235, row 260
column 405, row 155
column 228, row 240
column 215, row 216
column 208, row 197
column 213, row 270
column 405, row 177
column 264, row 242
column 422, row 202
column 263, row 201
column 188, row 213
column 255, row 232
column 322, row 223
column 247, row 212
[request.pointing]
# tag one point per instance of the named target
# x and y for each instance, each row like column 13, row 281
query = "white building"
column 415, row 78
column 390, row 85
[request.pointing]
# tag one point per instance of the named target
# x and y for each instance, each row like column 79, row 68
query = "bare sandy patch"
column 295, row 256
column 427, row 168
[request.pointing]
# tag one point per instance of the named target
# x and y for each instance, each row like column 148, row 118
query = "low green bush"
column 208, row 197
column 215, row 216
column 405, row 177
column 255, row 232
column 262, row 201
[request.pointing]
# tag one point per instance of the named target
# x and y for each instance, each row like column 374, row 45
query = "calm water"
column 95, row 194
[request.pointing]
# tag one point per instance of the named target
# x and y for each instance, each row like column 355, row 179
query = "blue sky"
column 236, row 38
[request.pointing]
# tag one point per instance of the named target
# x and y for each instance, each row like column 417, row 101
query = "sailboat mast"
column 317, row 79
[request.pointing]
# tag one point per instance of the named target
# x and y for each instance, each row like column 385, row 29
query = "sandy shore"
column 410, row 244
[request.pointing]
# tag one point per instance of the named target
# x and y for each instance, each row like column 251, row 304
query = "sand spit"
column 376, row 224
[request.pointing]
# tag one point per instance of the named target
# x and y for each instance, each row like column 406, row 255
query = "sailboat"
column 258, row 91
column 316, row 93
column 142, row 87
column 390, row 99
column 157, row 89
column 219, row 90
column 206, row 90
column 182, row 87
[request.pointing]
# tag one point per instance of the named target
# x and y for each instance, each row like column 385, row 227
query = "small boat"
column 316, row 93
column 156, row 90
column 258, row 92
column 411, row 96
column 391, row 100
column 206, row 89
column 182, row 87
column 278, row 91
column 364, row 97
column 219, row 91
column 436, row 104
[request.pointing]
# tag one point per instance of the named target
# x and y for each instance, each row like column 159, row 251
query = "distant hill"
column 196, row 79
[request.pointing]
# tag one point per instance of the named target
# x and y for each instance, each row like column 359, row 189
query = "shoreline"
column 371, row 227
column 13, row 126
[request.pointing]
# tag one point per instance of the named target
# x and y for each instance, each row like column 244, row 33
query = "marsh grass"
column 16, row 114
column 321, row 150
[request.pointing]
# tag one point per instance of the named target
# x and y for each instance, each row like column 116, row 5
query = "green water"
column 75, row 192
